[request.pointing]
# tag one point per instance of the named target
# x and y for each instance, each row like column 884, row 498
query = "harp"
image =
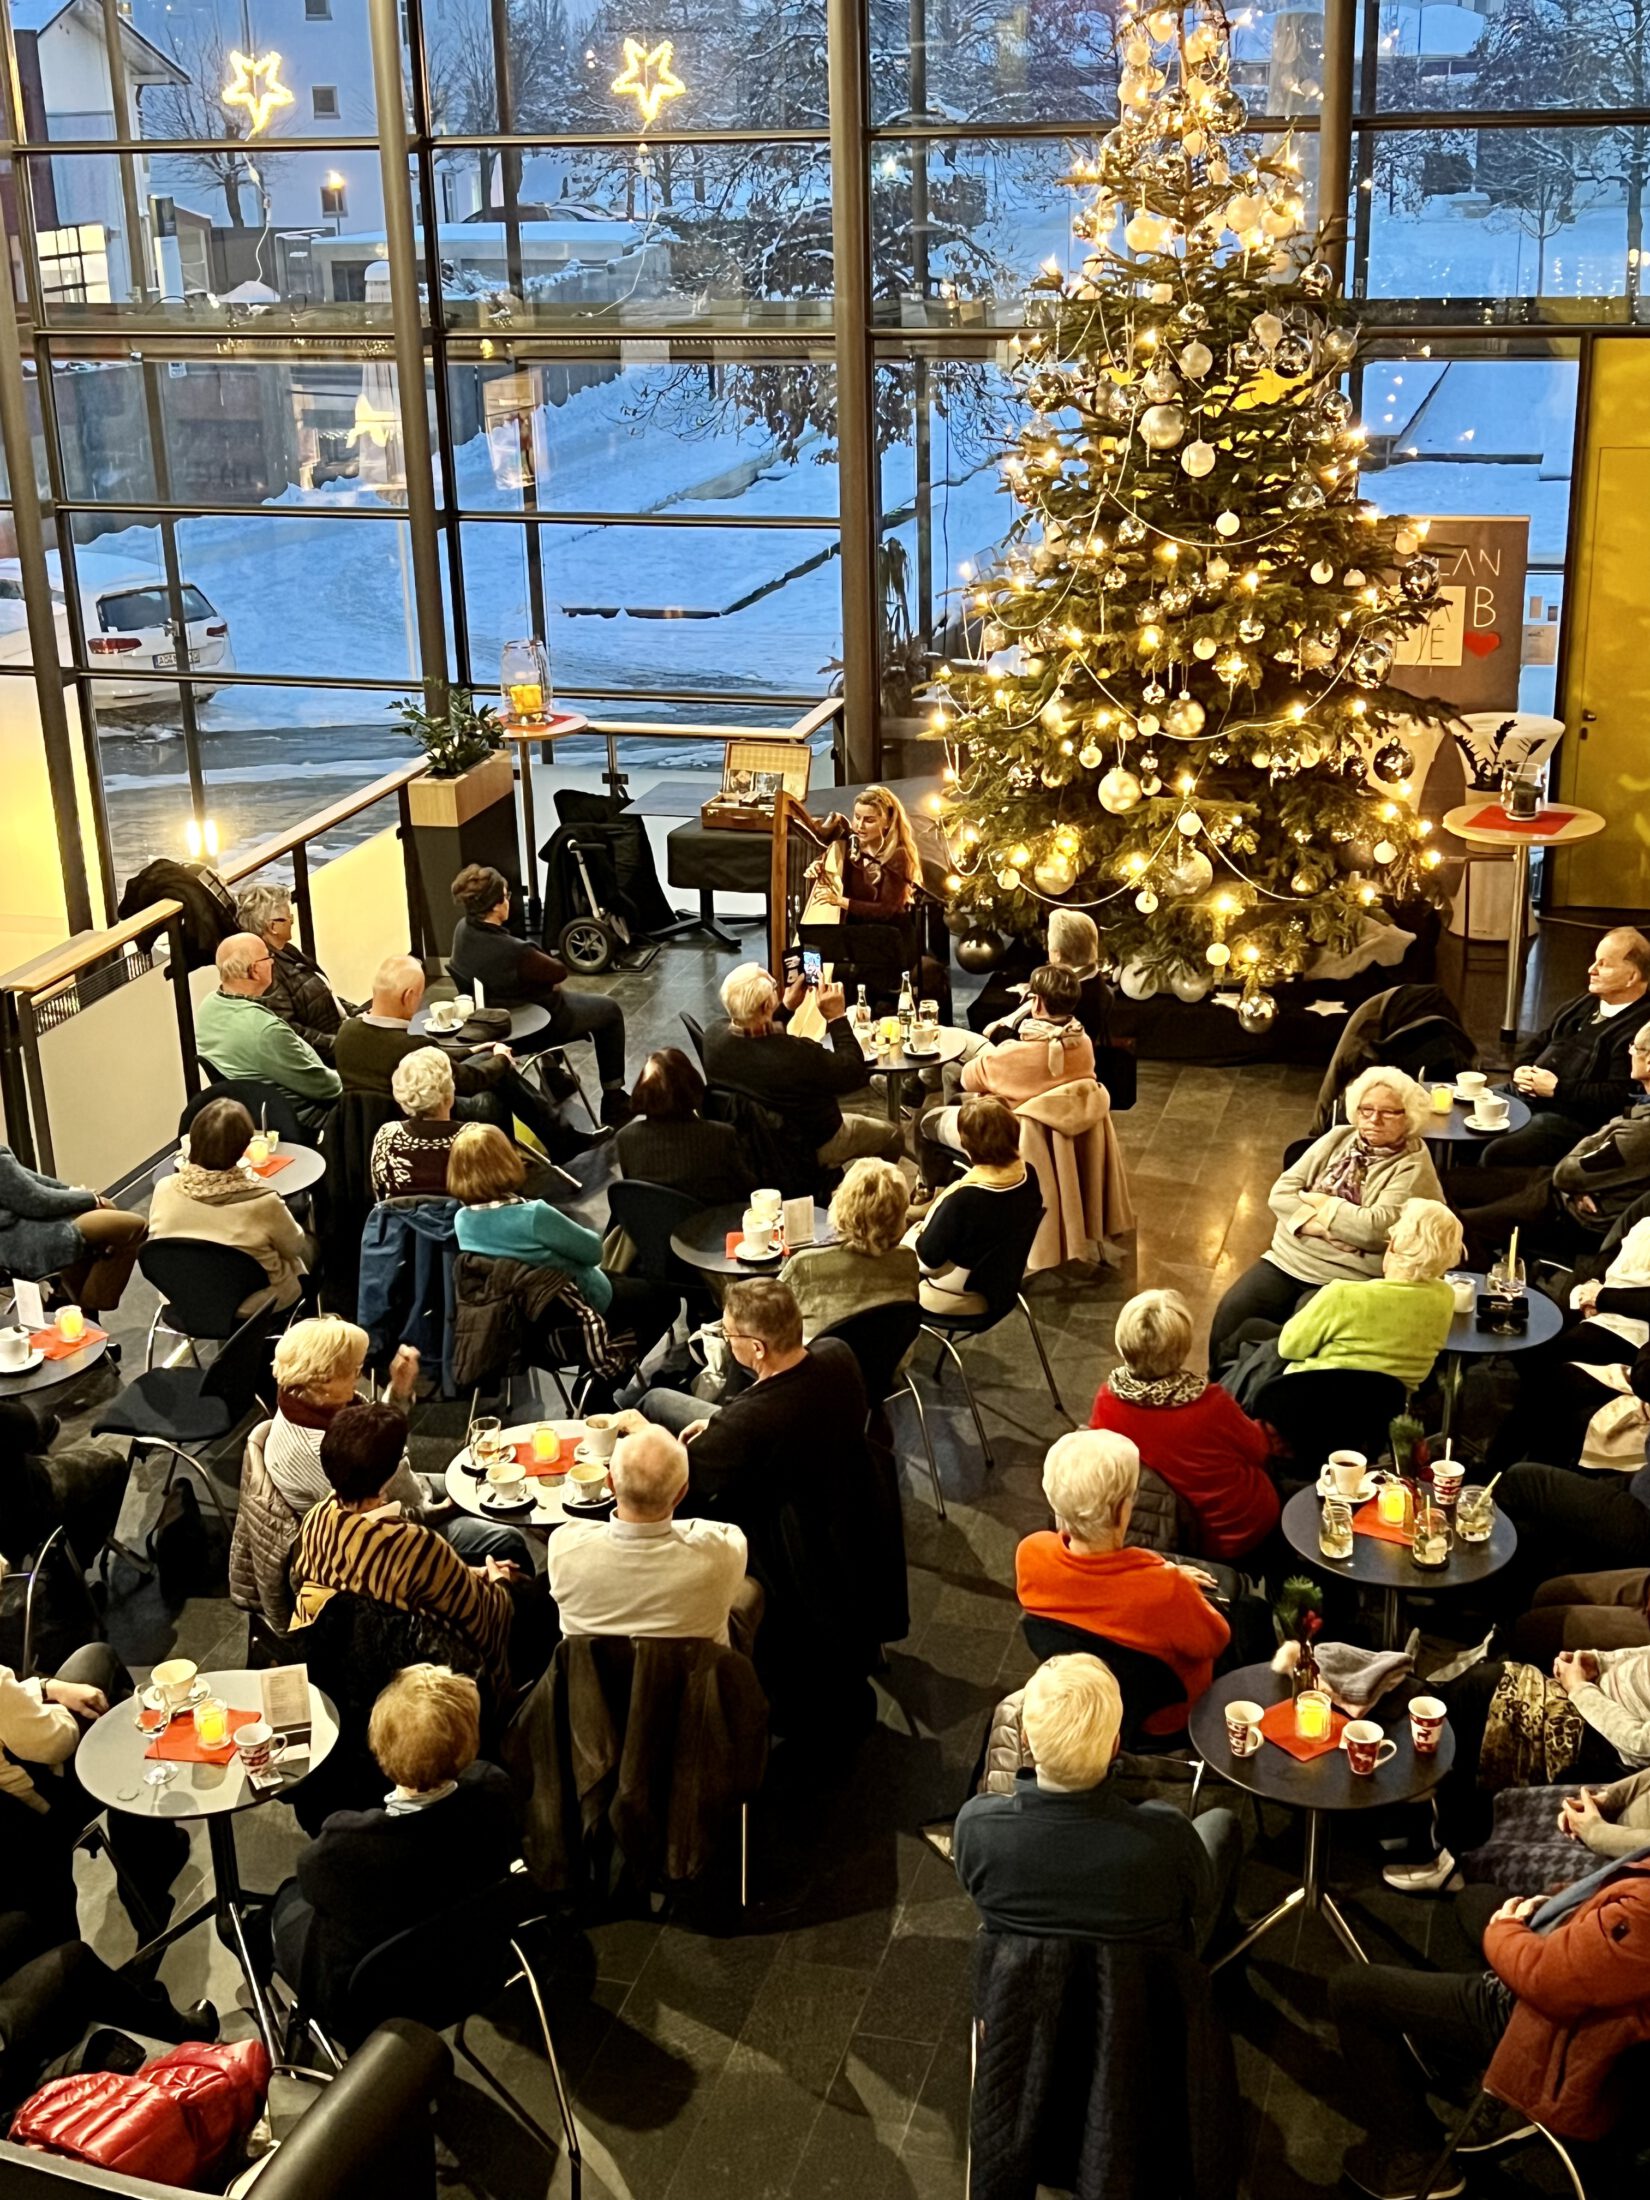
column 792, row 902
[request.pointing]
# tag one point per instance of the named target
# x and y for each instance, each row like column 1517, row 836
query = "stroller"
column 601, row 892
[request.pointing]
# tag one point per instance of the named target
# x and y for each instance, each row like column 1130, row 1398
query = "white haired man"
column 1575, row 1074
column 752, row 1053
column 238, row 1035
column 644, row 1572
column 1066, row 1856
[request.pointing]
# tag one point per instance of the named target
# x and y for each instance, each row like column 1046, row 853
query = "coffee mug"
column 257, row 1745
column 768, row 1204
column 1471, row 1080
column 1447, row 1477
column 14, row 1348
column 1427, row 1716
column 1366, row 1746
column 1243, row 1732
column 601, row 1433
column 175, row 1678
column 1491, row 1107
column 1346, row 1471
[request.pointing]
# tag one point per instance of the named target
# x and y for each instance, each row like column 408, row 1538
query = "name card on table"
column 799, row 1222
column 29, row 1303
column 285, row 1692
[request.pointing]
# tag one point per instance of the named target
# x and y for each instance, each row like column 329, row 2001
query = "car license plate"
column 167, row 658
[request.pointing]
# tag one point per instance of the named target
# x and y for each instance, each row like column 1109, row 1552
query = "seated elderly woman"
column 1336, row 1205
column 1186, row 1428
column 448, row 1819
column 318, row 1366
column 49, row 1228
column 211, row 1197
column 298, row 990
column 356, row 1544
column 973, row 1241
column 1082, row 1574
column 867, row 1266
column 1397, row 1322
column 409, row 1157
column 486, row 1174
column 670, row 1141
column 1047, row 1047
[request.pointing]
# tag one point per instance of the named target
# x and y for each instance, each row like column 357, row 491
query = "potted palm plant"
column 463, row 808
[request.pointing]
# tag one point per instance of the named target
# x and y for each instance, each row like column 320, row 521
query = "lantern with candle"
column 524, row 681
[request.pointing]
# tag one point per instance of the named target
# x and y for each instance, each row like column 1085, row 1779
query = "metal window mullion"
column 448, row 519
column 848, row 46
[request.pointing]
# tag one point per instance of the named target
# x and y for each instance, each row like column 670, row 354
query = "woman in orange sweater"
column 1079, row 1572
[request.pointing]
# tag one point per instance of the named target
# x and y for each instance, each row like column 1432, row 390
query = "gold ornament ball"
column 1145, row 901
column 1188, row 822
column 1323, row 573
column 1196, row 360
column 1008, row 880
column 1218, row 953
column 1055, row 874
column 1185, row 718
column 1227, row 524
column 1088, row 756
column 1204, row 647
column 1118, row 791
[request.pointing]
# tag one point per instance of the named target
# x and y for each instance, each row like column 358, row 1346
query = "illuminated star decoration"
column 245, row 91
column 648, row 77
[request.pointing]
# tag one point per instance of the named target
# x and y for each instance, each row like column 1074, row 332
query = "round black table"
column 898, row 1066
column 1388, row 1567
column 1452, row 1129
column 306, row 1171
column 50, row 1373
column 110, row 1764
column 525, row 1023
column 1467, row 1337
column 703, row 1242
column 1318, row 1786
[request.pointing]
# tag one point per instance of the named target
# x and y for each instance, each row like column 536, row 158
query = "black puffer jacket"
column 300, row 995
column 507, row 1316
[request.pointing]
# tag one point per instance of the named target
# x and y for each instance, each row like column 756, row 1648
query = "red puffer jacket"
column 172, row 2121
column 1583, row 1999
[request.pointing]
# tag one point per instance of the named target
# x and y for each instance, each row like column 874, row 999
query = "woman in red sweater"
column 1079, row 1572
column 1189, row 1431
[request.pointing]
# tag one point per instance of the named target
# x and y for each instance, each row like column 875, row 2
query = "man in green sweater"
column 237, row 1036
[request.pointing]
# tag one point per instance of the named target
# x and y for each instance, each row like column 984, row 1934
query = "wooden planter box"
column 461, row 821
column 450, row 803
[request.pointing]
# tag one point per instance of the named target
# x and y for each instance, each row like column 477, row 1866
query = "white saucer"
column 29, row 1365
column 583, row 1456
column 1473, row 1123
column 1467, row 1099
column 1365, row 1491
column 755, row 1260
column 490, row 1501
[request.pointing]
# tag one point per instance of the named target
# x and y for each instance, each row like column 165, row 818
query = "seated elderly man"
column 752, row 1053
column 1575, row 1072
column 372, row 1045
column 644, row 1572
column 298, row 992
column 1081, row 1573
column 240, row 1035
column 1065, row 1856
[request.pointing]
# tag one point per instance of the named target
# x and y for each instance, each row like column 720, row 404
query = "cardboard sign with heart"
column 1458, row 656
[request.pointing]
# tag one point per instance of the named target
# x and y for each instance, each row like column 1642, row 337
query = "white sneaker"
column 1438, row 1876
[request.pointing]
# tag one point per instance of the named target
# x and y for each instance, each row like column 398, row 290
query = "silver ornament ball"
column 1257, row 1012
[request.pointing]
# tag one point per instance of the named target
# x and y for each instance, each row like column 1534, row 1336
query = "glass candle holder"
column 524, row 682
column 546, row 1445
column 71, row 1324
column 211, row 1723
column 1335, row 1530
column 1312, row 1715
column 1392, row 1505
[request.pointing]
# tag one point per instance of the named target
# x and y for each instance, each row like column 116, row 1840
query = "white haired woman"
column 298, row 990
column 1336, row 1206
column 1081, row 1573
column 1186, row 1428
column 867, row 1266
column 409, row 1158
column 1397, row 1322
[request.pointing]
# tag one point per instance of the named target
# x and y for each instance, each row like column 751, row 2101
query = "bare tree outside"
column 194, row 110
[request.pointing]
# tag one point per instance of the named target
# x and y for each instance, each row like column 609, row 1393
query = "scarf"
column 1181, row 1389
column 1344, row 1177
column 215, row 1186
column 1058, row 1036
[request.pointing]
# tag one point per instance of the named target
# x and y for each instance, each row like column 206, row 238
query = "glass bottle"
column 906, row 1011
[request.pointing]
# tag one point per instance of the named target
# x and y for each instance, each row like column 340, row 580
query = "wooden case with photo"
column 754, row 775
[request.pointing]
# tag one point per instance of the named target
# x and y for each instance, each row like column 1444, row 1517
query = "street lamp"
column 332, row 200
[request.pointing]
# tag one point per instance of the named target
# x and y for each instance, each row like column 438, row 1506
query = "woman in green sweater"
column 485, row 1173
column 1395, row 1324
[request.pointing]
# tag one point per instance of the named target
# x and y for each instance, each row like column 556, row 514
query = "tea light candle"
column 1442, row 1099
column 71, row 1324
column 527, row 699
column 1312, row 1715
column 1391, row 1504
column 211, row 1723
column 546, row 1445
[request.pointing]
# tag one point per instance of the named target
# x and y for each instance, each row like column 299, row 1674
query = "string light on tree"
column 1193, row 563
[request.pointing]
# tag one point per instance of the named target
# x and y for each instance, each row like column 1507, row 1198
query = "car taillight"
column 217, row 633
column 113, row 645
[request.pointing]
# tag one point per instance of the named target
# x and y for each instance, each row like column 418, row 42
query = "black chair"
column 200, row 1284
column 879, row 1338
column 442, row 1973
column 171, row 1409
column 1146, row 1683
column 1314, row 1409
column 696, row 1032
column 648, row 1214
column 270, row 1106
column 944, row 1328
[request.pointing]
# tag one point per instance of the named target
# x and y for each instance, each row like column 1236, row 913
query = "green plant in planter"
column 455, row 740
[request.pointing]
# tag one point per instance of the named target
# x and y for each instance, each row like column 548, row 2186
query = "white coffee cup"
column 14, row 1349
column 507, row 1475
column 257, row 1744
column 768, row 1204
column 1346, row 1471
column 1492, row 1108
column 601, row 1433
column 463, row 1008
column 1471, row 1081
column 175, row 1678
column 1243, row 1734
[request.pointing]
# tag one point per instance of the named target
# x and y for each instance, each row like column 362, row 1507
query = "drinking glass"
column 1429, row 1547
column 1335, row 1530
column 1475, row 1514
column 486, row 1443
column 154, row 1714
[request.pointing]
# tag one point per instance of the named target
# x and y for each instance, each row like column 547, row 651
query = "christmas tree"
column 1178, row 715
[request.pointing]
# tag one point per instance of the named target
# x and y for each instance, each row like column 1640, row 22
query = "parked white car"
column 124, row 611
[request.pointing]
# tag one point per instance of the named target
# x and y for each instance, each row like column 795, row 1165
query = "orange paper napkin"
column 58, row 1347
column 273, row 1166
column 179, row 1746
column 1278, row 1725
column 1367, row 1521
column 523, row 1456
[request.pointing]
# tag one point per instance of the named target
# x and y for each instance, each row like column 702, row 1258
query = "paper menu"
column 285, row 1693
column 29, row 1304
column 799, row 1222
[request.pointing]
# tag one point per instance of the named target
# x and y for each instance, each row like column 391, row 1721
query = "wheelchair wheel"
column 588, row 945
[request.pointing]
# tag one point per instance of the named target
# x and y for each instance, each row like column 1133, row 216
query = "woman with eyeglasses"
column 1336, row 1206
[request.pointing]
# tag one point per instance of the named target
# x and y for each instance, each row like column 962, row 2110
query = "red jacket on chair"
column 171, row 2122
column 1583, row 1999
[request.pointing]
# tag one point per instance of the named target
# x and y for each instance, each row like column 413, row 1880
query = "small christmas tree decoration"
column 1191, row 560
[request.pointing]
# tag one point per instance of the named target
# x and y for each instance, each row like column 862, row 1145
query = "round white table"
column 1573, row 824
column 525, row 1023
column 306, row 1171
column 110, row 1764
column 465, row 1488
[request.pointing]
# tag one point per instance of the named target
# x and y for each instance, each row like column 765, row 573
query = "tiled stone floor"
column 818, row 2046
